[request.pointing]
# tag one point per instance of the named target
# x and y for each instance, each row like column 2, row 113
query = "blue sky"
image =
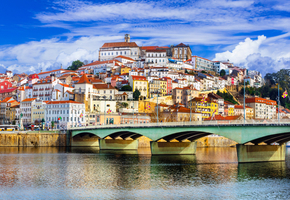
column 43, row 34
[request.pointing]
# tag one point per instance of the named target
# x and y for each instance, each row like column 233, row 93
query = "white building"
column 25, row 109
column 111, row 50
column 202, row 63
column 65, row 114
column 218, row 66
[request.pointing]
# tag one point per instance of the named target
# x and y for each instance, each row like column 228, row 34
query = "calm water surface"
column 87, row 173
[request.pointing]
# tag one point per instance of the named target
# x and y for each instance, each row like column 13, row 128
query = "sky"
column 45, row 34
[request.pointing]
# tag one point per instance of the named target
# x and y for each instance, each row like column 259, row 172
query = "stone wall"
column 32, row 140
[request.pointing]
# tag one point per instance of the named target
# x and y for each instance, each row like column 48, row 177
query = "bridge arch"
column 239, row 133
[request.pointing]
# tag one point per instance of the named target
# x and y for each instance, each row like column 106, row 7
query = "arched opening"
column 85, row 139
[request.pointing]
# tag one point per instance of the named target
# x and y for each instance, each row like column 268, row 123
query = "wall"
column 32, row 140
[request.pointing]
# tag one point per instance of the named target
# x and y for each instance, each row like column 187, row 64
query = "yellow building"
column 38, row 112
column 158, row 85
column 125, row 70
column 140, row 83
column 205, row 106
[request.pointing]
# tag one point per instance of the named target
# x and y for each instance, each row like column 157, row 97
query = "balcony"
column 35, row 89
column 41, row 95
column 47, row 88
column 41, row 89
column 47, row 95
column 35, row 95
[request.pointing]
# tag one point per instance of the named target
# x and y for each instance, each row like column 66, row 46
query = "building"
column 229, row 109
column 139, row 83
column 183, row 95
column 181, row 52
column 205, row 106
column 4, row 110
column 263, row 108
column 218, row 66
column 168, row 84
column 38, row 111
column 111, row 50
column 180, row 114
column 239, row 110
column 156, row 57
column 200, row 63
column 43, row 89
column 11, row 92
column 25, row 110
column 218, row 99
column 64, row 114
column 158, row 86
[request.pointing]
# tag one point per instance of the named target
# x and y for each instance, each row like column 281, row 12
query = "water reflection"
column 73, row 173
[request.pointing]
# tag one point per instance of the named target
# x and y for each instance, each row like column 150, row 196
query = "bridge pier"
column 173, row 148
column 111, row 144
column 260, row 153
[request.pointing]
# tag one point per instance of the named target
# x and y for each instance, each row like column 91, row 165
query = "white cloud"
column 242, row 50
column 264, row 54
column 48, row 54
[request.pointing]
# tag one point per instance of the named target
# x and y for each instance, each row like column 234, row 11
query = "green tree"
column 124, row 105
column 222, row 72
column 75, row 65
column 52, row 124
column 126, row 88
column 136, row 95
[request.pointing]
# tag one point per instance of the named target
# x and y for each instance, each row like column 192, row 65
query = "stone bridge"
column 184, row 135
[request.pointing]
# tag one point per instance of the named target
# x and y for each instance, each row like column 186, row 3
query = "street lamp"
column 278, row 103
column 244, row 102
column 104, row 97
column 157, row 106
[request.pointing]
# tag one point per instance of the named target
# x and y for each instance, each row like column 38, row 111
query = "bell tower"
column 127, row 37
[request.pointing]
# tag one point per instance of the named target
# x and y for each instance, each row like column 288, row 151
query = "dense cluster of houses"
column 128, row 84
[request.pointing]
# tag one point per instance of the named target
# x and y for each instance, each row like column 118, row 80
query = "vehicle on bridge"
column 9, row 128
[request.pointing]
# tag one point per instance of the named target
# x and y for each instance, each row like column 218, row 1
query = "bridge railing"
column 212, row 122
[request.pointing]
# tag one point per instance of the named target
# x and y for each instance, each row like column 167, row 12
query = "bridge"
column 249, row 137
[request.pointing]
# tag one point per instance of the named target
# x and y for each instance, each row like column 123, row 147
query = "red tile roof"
column 62, row 102
column 83, row 79
column 142, row 78
column 125, row 57
column 119, row 44
column 29, row 99
column 103, row 86
column 8, row 90
column 260, row 100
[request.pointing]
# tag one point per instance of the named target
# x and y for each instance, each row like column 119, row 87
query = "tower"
column 127, row 37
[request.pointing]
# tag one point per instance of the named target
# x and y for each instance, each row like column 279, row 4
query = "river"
column 87, row 173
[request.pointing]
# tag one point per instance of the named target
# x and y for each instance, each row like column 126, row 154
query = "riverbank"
column 33, row 139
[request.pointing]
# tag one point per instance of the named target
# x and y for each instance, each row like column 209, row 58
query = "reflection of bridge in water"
column 185, row 135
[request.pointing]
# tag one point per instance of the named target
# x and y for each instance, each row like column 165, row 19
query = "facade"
column 25, row 110
column 64, row 114
column 139, row 83
column 208, row 108
column 158, row 86
column 239, row 110
column 202, row 63
column 38, row 111
column 168, row 84
column 183, row 95
column 156, row 57
column 263, row 108
column 111, row 50
column 218, row 99
column 181, row 52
